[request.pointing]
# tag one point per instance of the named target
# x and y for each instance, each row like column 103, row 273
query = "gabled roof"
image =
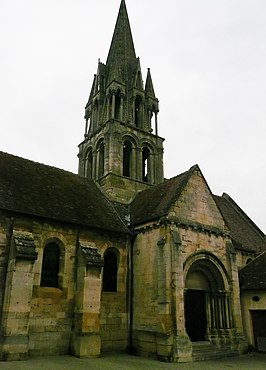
column 253, row 275
column 31, row 188
column 244, row 233
column 155, row 202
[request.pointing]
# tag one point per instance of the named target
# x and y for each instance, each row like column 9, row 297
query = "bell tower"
column 121, row 149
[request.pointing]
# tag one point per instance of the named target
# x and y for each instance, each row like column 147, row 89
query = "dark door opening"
column 195, row 315
column 259, row 329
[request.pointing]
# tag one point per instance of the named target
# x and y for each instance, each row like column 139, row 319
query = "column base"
column 86, row 345
column 182, row 349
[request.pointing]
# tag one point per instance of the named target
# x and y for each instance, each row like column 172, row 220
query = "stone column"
column 86, row 341
column 156, row 123
column 121, row 108
column 150, row 165
column 182, row 347
column 14, row 336
column 164, row 339
column 138, row 163
column 113, row 105
column 133, row 163
column 240, row 341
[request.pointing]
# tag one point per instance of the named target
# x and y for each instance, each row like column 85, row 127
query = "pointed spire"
column 122, row 52
column 149, row 90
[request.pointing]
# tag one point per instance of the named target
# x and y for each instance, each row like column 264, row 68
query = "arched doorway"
column 207, row 304
column 195, row 305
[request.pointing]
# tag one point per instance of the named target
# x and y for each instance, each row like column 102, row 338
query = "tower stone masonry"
column 121, row 149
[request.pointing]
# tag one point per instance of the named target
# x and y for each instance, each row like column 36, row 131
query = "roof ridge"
column 112, row 205
column 55, row 194
column 253, row 261
column 38, row 163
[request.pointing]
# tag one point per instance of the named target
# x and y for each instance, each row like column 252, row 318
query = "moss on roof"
column 245, row 234
column 155, row 202
column 36, row 189
column 253, row 275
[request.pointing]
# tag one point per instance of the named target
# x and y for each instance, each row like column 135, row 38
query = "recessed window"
column 117, row 104
column 110, row 272
column 89, row 163
column 145, row 164
column 137, row 111
column 101, row 159
column 127, row 152
column 50, row 265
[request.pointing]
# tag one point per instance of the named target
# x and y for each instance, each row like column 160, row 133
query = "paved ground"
column 126, row 362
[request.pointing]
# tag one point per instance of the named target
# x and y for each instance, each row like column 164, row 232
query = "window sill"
column 47, row 292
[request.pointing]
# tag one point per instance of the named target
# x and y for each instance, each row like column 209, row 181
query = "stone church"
column 117, row 258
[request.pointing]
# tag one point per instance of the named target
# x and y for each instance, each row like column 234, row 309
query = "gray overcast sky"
column 208, row 64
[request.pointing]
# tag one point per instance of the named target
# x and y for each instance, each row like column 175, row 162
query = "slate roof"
column 253, row 275
column 156, row 201
column 245, row 234
column 36, row 189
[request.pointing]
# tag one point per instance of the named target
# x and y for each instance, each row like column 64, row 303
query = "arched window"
column 101, row 159
column 127, row 154
column 153, row 120
column 50, row 265
column 138, row 111
column 110, row 106
column 145, row 164
column 89, row 162
column 110, row 272
column 117, row 104
column 96, row 114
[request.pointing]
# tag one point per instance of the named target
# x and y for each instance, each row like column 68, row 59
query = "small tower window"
column 102, row 83
column 153, row 120
column 145, row 164
column 110, row 272
column 96, row 114
column 50, row 265
column 137, row 111
column 101, row 159
column 89, row 162
column 127, row 154
column 117, row 104
column 110, row 107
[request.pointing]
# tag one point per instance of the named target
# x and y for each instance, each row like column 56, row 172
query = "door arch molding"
column 207, row 307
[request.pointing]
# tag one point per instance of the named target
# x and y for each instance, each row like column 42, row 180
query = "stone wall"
column 192, row 233
column 251, row 300
column 114, row 314
column 41, row 320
